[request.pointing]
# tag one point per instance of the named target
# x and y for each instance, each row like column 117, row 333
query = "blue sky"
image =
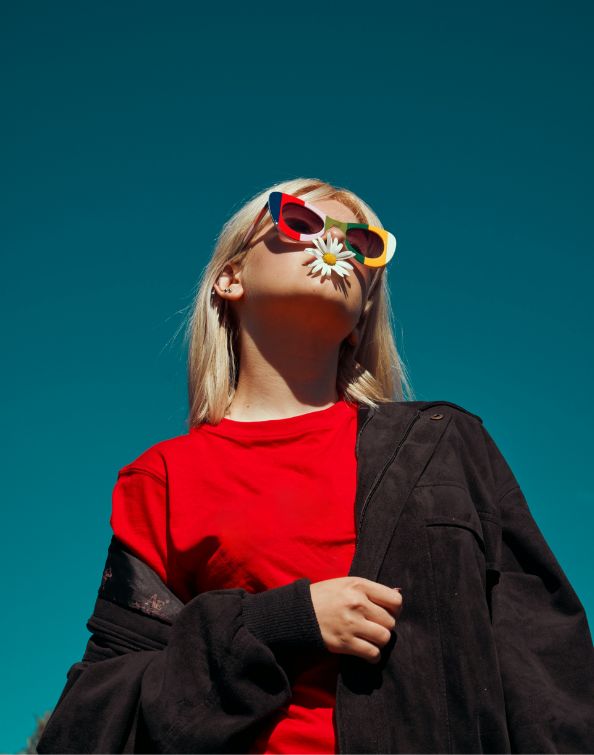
column 131, row 131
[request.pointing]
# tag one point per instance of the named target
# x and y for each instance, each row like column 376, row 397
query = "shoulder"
column 466, row 441
column 464, row 429
column 447, row 425
column 156, row 459
column 449, row 406
column 445, row 408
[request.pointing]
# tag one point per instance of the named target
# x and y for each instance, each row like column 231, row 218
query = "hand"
column 356, row 615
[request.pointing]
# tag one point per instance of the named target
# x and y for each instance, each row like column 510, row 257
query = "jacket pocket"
column 452, row 505
column 458, row 553
column 472, row 526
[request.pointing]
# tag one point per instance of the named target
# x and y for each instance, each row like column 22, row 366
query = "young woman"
column 321, row 563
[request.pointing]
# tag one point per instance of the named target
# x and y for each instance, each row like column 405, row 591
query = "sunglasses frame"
column 277, row 199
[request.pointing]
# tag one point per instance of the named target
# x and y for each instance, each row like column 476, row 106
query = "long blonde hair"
column 371, row 372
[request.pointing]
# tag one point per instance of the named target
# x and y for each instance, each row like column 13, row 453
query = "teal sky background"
column 131, row 131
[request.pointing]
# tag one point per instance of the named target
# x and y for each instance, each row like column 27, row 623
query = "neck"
column 284, row 376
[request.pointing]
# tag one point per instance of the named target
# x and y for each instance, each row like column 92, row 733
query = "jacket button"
column 436, row 416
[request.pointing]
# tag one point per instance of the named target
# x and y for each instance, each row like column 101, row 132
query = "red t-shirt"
column 254, row 505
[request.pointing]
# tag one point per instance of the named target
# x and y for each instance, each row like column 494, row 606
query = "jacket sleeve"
column 541, row 631
column 160, row 675
column 203, row 681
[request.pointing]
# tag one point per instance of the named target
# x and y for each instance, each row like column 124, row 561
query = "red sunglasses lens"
column 301, row 219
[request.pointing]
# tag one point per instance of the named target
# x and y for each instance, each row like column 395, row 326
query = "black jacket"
column 492, row 651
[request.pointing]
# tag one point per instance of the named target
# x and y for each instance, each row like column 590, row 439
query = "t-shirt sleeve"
column 139, row 509
column 205, row 680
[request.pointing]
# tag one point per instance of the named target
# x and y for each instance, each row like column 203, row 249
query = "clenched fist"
column 356, row 615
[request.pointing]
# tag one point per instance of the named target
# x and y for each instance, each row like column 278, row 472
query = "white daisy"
column 329, row 258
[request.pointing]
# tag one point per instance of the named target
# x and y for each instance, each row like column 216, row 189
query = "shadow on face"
column 276, row 242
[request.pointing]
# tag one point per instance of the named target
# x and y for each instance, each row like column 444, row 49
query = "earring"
column 226, row 290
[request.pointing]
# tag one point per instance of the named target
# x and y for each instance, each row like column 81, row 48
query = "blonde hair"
column 371, row 372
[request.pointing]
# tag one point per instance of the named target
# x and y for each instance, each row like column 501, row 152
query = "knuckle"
column 357, row 584
column 354, row 599
column 351, row 622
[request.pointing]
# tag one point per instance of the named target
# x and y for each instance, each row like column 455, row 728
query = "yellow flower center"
column 329, row 258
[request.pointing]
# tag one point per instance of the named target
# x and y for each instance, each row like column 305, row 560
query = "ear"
column 229, row 278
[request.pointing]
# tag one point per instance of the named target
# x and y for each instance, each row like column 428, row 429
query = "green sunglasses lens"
column 366, row 242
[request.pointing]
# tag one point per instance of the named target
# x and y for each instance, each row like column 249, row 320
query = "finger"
column 363, row 649
column 383, row 595
column 379, row 615
column 371, row 632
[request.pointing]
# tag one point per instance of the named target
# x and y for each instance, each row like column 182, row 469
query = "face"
column 277, row 282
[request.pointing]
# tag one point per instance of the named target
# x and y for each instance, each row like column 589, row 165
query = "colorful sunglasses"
column 302, row 221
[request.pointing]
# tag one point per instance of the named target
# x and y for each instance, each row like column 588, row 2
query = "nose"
column 337, row 233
